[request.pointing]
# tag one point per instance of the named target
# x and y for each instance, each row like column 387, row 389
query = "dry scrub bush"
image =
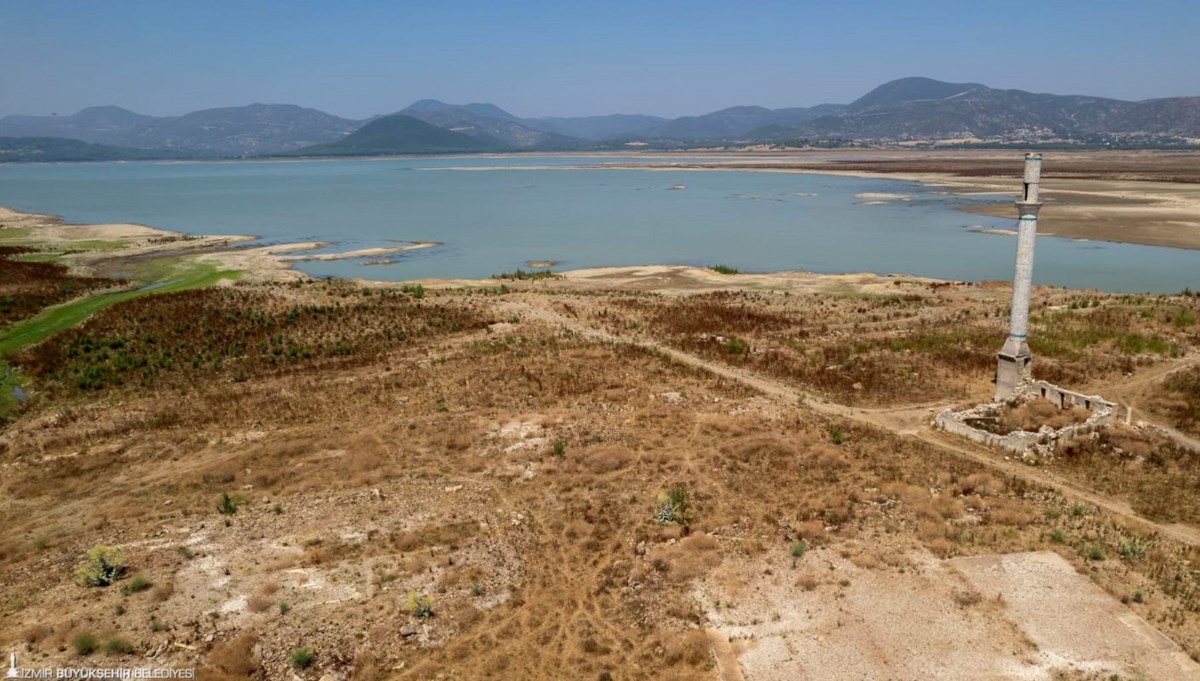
column 691, row 648
column 232, row 659
column 1033, row 414
column 599, row 460
column 688, row 558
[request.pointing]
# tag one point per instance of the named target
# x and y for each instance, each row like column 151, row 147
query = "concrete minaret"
column 1013, row 364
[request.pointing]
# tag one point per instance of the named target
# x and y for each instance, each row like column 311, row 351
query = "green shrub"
column 84, row 644
column 118, row 646
column 302, row 658
column 673, row 507
column 185, row 552
column 419, row 605
column 284, row 608
column 723, row 269
column 736, row 346
column 521, row 275
column 798, row 549
column 103, row 566
column 136, row 584
column 226, row 506
column 560, row 448
column 836, row 435
column 1134, row 549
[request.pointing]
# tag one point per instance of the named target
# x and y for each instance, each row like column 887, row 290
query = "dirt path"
column 909, row 421
column 1131, row 391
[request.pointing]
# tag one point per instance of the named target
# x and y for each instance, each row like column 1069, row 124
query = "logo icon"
column 13, row 672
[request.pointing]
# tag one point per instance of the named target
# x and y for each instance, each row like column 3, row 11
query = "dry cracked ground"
column 565, row 481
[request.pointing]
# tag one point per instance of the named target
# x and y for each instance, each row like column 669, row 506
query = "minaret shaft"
column 1014, row 360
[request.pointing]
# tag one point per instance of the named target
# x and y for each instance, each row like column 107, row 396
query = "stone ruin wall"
column 1045, row 439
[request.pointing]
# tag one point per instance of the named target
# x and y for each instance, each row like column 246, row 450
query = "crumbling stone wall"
column 1046, row 439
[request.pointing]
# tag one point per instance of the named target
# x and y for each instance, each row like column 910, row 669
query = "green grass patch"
column 523, row 275
column 9, row 234
column 38, row 257
column 175, row 274
column 1067, row 335
column 85, row 245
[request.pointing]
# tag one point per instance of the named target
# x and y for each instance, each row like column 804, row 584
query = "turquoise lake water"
column 493, row 221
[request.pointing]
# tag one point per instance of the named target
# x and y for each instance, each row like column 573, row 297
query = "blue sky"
column 359, row 58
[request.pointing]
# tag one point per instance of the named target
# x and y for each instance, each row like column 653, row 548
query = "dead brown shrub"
column 163, row 592
column 688, row 558
column 1032, row 415
column 606, row 459
column 982, row 484
column 807, row 582
column 35, row 634
column 433, row 535
column 235, row 658
column 691, row 648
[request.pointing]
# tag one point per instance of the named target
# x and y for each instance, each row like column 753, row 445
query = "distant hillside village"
column 910, row 112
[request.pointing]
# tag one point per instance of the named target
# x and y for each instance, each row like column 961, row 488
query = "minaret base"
column 1011, row 372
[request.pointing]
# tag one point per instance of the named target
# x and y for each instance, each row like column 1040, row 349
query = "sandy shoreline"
column 1137, row 198
column 101, row 247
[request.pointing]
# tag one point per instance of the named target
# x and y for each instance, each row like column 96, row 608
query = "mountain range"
column 904, row 110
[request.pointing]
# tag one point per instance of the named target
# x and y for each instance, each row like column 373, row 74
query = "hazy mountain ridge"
column 599, row 128
column 489, row 123
column 925, row 109
column 907, row 109
column 228, row 131
column 399, row 134
column 60, row 149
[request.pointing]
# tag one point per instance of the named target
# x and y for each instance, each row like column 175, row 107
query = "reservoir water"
column 494, row 214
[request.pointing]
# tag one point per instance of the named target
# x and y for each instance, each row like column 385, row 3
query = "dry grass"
column 1179, row 400
column 232, row 659
column 392, row 475
column 1033, row 414
column 1155, row 475
column 902, row 348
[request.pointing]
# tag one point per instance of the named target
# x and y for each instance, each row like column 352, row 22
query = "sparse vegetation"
column 723, row 269
column 354, row 411
column 526, row 275
column 103, row 566
column 673, row 507
column 84, row 644
column 227, row 505
column 302, row 658
column 419, row 605
column 118, row 646
column 136, row 584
